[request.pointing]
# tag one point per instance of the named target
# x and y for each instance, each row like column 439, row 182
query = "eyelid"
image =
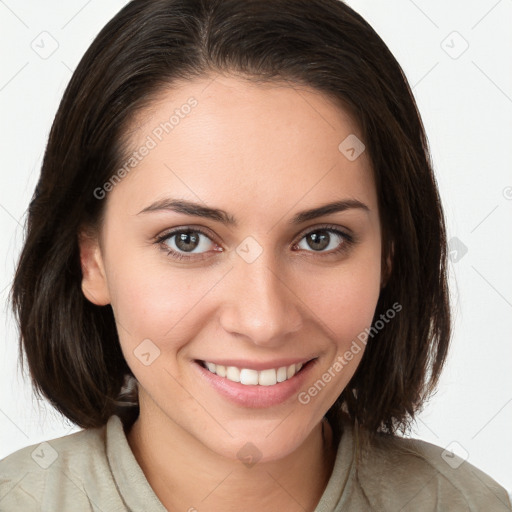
column 346, row 233
column 182, row 229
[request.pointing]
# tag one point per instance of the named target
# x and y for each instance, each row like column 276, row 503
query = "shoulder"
column 30, row 475
column 78, row 447
column 417, row 475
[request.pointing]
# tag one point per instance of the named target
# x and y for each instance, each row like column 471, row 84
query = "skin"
column 262, row 153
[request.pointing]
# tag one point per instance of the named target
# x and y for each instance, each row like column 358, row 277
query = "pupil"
column 322, row 240
column 187, row 240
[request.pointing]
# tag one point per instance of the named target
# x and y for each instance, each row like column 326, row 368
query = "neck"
column 186, row 475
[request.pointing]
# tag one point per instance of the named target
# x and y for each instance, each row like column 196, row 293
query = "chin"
column 259, row 441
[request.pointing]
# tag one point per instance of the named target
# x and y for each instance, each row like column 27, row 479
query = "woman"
column 234, row 274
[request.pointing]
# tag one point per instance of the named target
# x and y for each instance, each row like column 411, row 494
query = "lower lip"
column 256, row 396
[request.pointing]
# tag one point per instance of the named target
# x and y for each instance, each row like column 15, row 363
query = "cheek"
column 344, row 300
column 354, row 306
column 345, row 308
column 155, row 302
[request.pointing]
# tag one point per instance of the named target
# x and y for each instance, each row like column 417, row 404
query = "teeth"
column 248, row 377
column 281, row 374
column 233, row 373
column 267, row 377
column 252, row 377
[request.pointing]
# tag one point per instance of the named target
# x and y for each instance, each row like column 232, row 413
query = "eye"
column 193, row 243
column 326, row 239
column 184, row 241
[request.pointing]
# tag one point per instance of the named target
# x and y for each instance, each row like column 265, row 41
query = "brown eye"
column 185, row 243
column 329, row 240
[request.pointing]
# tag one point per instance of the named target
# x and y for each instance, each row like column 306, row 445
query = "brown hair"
column 72, row 346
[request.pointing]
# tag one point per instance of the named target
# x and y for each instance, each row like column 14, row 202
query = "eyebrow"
column 219, row 215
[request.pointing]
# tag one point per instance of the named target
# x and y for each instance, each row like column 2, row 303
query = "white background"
column 465, row 97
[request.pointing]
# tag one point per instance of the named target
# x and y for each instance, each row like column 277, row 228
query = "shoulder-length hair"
column 72, row 346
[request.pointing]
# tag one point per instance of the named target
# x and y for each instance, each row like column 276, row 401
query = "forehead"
column 225, row 139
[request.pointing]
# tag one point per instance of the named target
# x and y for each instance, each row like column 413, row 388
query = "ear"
column 94, row 282
column 387, row 265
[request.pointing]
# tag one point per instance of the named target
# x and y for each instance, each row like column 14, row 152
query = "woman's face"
column 256, row 284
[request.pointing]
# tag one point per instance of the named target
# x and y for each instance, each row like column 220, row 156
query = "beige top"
column 95, row 470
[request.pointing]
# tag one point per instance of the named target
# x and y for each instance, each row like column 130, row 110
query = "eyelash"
column 348, row 241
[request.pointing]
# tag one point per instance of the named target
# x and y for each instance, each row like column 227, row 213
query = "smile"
column 260, row 386
column 250, row 377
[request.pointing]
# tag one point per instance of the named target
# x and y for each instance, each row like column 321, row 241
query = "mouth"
column 248, row 387
column 251, row 377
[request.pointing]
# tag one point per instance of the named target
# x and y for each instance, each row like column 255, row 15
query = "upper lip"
column 258, row 365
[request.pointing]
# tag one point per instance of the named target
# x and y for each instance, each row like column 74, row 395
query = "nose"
column 261, row 302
